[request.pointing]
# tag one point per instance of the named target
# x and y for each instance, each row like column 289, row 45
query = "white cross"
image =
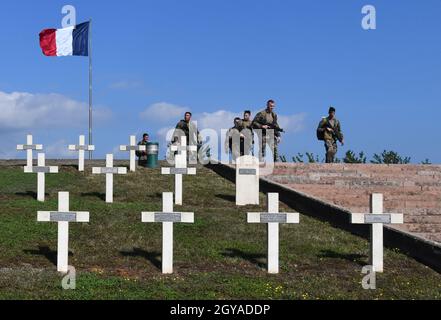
column 132, row 147
column 40, row 170
column 167, row 217
column 109, row 170
column 180, row 167
column 29, row 147
column 273, row 218
column 81, row 147
column 63, row 216
column 376, row 218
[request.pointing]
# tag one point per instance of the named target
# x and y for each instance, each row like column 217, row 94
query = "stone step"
column 425, row 228
column 342, row 180
column 430, row 219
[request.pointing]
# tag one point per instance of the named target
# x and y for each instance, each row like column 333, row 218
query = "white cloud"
column 221, row 119
column 23, row 111
column 163, row 112
column 292, row 123
column 59, row 150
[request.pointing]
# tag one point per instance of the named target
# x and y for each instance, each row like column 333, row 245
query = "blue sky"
column 218, row 58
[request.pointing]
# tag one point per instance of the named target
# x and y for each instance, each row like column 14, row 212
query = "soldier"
column 234, row 140
column 247, row 131
column 267, row 120
column 329, row 130
column 187, row 127
column 142, row 155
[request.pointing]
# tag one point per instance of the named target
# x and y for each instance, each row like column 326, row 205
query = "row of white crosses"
column 41, row 169
column 167, row 217
column 247, row 193
column 81, row 147
column 247, row 171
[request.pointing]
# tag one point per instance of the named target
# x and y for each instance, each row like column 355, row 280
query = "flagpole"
column 90, row 85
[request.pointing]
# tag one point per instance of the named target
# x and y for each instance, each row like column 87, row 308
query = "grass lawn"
column 220, row 256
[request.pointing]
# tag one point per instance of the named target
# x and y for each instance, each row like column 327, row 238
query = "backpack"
column 321, row 133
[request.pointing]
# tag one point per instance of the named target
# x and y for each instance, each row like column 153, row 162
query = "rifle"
column 271, row 126
column 336, row 136
column 276, row 129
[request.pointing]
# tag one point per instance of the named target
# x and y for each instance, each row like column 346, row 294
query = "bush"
column 390, row 157
column 351, row 157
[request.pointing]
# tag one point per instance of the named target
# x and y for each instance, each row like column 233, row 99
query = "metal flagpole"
column 90, row 85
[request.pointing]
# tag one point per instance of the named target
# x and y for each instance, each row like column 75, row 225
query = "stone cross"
column 109, row 171
column 40, row 170
column 273, row 218
column 180, row 167
column 376, row 218
column 167, row 217
column 247, row 180
column 132, row 147
column 63, row 216
column 81, row 147
column 29, row 147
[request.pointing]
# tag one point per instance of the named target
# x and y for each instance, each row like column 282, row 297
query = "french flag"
column 71, row 41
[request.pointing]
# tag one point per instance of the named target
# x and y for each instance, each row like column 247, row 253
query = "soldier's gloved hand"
column 278, row 139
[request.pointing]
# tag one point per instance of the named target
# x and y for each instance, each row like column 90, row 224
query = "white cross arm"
column 386, row 218
column 113, row 170
column 73, row 147
column 27, row 146
column 185, row 217
column 191, row 171
column 183, row 148
column 263, row 217
column 46, row 169
column 79, row 216
column 128, row 148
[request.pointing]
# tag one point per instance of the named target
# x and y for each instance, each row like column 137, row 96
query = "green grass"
column 220, row 256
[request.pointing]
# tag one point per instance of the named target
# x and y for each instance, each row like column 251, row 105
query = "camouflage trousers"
column 272, row 144
column 331, row 150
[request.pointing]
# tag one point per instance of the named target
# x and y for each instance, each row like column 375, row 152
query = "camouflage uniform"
column 267, row 118
column 247, row 131
column 142, row 155
column 234, row 142
column 194, row 139
column 329, row 137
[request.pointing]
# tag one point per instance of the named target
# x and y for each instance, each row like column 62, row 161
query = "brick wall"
column 414, row 190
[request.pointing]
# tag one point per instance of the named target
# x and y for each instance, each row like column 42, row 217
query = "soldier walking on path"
column 247, row 131
column 189, row 129
column 329, row 130
column 234, row 140
column 266, row 121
